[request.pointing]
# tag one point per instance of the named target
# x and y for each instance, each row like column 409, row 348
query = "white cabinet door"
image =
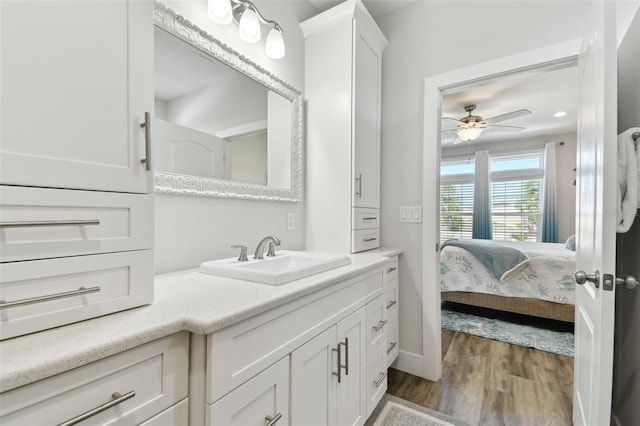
column 351, row 391
column 261, row 400
column 366, row 125
column 77, row 79
column 313, row 383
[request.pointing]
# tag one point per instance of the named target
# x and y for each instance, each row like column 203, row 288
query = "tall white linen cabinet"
column 343, row 65
column 76, row 213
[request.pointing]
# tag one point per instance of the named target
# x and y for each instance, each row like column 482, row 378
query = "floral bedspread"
column 549, row 275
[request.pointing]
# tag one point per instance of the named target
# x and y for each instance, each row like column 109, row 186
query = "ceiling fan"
column 470, row 127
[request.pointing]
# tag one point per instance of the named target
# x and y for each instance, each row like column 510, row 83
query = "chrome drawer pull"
column 391, row 346
column 31, row 224
column 370, row 218
column 39, row 299
column 147, row 141
column 272, row 420
column 366, row 240
column 380, row 379
column 390, row 270
column 380, row 325
column 118, row 399
column 359, row 192
column 390, row 304
column 339, row 373
column 346, row 356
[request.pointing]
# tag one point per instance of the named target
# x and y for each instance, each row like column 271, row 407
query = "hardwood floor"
column 486, row 382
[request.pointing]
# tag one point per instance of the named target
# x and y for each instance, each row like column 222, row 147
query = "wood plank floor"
column 486, row 382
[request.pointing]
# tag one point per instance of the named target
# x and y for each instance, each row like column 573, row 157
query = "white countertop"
column 186, row 300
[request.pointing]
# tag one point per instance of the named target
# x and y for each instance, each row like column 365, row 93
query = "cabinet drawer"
column 391, row 269
column 37, row 223
column 365, row 239
column 392, row 299
column 237, row 353
column 149, row 379
column 376, row 323
column 177, row 415
column 266, row 395
column 72, row 289
column 365, row 218
column 392, row 341
column 376, row 378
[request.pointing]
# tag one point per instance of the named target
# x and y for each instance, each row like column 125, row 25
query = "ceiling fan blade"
column 508, row 116
column 502, row 128
column 457, row 141
column 453, row 119
column 451, row 130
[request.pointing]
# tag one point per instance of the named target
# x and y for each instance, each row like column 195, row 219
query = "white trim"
column 554, row 56
column 243, row 130
column 409, row 363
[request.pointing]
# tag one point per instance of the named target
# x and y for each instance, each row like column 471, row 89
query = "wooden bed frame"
column 519, row 305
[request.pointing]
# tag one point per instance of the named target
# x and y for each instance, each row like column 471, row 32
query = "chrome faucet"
column 273, row 241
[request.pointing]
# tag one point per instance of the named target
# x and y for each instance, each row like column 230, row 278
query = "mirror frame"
column 170, row 183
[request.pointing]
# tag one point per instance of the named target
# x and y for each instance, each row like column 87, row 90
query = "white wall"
column 626, row 378
column 190, row 230
column 565, row 175
column 426, row 39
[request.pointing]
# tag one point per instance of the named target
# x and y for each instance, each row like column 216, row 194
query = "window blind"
column 456, row 210
column 515, row 209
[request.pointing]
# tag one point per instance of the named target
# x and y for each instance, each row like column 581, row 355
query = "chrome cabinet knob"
column 582, row 278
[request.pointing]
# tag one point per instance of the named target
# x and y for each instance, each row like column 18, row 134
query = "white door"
column 596, row 218
column 313, row 384
column 77, row 79
column 351, row 403
column 366, row 125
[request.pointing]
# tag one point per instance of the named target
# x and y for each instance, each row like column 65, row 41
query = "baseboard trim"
column 409, row 363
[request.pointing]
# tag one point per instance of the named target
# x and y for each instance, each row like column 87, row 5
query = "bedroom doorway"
column 454, row 85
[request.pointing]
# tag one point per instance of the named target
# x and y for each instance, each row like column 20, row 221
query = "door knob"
column 582, row 278
column 628, row 281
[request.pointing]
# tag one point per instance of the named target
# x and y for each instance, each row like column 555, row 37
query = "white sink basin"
column 284, row 267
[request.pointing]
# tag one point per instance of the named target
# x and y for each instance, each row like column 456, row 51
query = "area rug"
column 557, row 342
column 394, row 411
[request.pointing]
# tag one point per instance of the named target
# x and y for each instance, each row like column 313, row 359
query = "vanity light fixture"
column 470, row 131
column 248, row 18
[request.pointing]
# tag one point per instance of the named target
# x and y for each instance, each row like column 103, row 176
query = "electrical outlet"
column 291, row 221
column 410, row 214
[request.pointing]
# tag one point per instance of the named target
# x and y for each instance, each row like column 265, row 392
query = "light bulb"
column 220, row 11
column 275, row 44
column 249, row 26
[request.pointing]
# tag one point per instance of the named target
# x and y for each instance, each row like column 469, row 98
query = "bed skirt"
column 519, row 305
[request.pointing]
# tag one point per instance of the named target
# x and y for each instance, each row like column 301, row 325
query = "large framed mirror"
column 224, row 127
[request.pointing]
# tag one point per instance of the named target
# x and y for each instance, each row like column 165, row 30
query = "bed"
column 542, row 288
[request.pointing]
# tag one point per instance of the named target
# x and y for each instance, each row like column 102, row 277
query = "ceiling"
column 543, row 94
column 375, row 7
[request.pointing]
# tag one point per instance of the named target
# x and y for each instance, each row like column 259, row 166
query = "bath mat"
column 557, row 342
column 393, row 411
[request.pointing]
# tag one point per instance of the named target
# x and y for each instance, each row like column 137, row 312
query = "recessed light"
column 560, row 114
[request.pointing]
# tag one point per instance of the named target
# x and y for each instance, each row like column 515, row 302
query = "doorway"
column 528, row 63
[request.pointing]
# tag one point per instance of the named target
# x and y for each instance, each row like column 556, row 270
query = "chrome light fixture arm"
column 248, row 5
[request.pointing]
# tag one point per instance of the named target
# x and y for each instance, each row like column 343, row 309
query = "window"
column 456, row 198
column 516, row 187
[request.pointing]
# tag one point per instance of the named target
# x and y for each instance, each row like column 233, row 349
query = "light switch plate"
column 410, row 214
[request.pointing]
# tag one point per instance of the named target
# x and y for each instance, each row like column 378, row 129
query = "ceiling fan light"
column 249, row 26
column 220, row 11
column 469, row 133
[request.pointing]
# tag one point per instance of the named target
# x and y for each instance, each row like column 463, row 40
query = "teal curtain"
column 549, row 196
column 481, row 228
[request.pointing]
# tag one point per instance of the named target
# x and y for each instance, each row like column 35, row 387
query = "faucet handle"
column 243, row 252
column 272, row 249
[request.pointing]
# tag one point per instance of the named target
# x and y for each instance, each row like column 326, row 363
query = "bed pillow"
column 570, row 244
